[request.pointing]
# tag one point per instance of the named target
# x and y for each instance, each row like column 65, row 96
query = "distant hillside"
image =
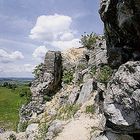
column 15, row 80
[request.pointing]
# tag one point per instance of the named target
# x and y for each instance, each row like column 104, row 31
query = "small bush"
column 47, row 98
column 37, row 70
column 90, row 109
column 93, row 70
column 43, row 129
column 26, row 93
column 104, row 74
column 81, row 66
column 67, row 76
column 22, row 126
column 88, row 40
column 12, row 86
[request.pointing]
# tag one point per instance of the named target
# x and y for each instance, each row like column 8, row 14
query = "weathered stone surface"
column 122, row 99
column 122, row 30
column 50, row 80
column 21, row 136
column 55, row 128
column 8, row 135
column 32, row 131
column 98, row 55
column 2, row 130
column 110, row 136
column 43, row 88
column 70, row 57
column 86, row 91
column 74, row 95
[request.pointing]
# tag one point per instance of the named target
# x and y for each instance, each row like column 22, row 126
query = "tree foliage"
column 9, row 85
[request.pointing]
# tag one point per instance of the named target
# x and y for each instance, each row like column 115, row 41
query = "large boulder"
column 122, row 99
column 122, row 30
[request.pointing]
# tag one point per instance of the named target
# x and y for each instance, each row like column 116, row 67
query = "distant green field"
column 10, row 103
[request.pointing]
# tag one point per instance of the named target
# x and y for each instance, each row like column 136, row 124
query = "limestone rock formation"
column 110, row 136
column 122, row 30
column 43, row 88
column 76, row 110
column 49, row 80
column 122, row 99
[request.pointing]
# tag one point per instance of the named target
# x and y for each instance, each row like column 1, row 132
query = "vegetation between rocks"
column 67, row 111
column 43, row 129
column 37, row 70
column 90, row 109
column 67, row 76
column 22, row 126
column 88, row 40
column 104, row 74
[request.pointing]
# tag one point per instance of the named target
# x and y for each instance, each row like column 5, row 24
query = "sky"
column 29, row 28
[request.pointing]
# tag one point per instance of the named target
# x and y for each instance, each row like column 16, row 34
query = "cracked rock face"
column 46, row 85
column 122, row 30
column 122, row 99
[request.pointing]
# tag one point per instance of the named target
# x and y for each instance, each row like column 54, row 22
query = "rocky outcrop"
column 86, row 91
column 110, row 136
column 43, row 88
column 122, row 30
column 122, row 99
column 98, row 56
column 49, row 81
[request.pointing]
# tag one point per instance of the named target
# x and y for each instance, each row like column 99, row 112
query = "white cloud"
column 50, row 27
column 28, row 67
column 12, row 69
column 39, row 53
column 66, row 44
column 67, row 36
column 6, row 57
column 55, row 30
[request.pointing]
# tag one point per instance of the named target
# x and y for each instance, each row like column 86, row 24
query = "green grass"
column 90, row 109
column 10, row 102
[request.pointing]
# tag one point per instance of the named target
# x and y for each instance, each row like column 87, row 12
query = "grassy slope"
column 10, row 102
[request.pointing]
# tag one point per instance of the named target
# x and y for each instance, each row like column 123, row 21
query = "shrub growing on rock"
column 22, row 126
column 104, row 74
column 67, row 76
column 90, row 109
column 67, row 111
column 93, row 70
column 25, row 92
column 37, row 70
column 88, row 40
